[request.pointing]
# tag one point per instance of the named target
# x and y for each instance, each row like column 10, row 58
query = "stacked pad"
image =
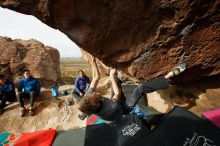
column 75, row 137
column 213, row 116
column 39, row 138
column 128, row 132
column 177, row 128
column 183, row 128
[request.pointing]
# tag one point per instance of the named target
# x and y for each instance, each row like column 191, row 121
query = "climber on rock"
column 112, row 109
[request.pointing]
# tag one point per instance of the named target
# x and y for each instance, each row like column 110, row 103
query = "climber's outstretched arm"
column 96, row 74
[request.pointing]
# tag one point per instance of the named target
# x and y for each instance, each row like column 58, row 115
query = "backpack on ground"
column 54, row 91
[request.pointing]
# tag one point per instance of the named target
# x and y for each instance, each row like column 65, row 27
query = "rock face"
column 144, row 38
column 42, row 61
column 104, row 70
column 198, row 97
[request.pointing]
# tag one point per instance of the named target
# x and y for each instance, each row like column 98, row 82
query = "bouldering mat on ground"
column 38, row 138
column 183, row 128
column 74, row 137
column 213, row 116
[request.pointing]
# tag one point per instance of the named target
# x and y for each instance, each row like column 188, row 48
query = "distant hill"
column 71, row 58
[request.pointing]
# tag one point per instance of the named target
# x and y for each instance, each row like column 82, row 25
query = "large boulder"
column 42, row 61
column 144, row 38
column 103, row 69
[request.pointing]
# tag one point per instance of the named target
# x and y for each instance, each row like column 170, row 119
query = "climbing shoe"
column 82, row 116
column 22, row 112
column 31, row 111
column 179, row 69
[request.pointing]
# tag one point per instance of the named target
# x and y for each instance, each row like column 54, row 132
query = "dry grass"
column 70, row 67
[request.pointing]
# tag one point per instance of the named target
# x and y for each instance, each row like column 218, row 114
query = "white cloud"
column 19, row 26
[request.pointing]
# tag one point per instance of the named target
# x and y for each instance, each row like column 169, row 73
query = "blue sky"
column 19, row 26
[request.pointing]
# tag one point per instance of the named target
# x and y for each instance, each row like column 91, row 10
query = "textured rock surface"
column 102, row 67
column 104, row 70
column 42, row 61
column 198, row 97
column 144, row 38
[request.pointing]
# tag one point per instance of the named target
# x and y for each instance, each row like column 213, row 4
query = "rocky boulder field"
column 42, row 61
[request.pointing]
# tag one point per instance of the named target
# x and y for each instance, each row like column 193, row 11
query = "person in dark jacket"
column 7, row 92
column 28, row 87
column 82, row 82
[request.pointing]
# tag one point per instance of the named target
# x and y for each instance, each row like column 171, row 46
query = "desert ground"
column 69, row 69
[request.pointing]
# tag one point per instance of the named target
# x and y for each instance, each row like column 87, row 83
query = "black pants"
column 76, row 95
column 151, row 86
column 11, row 97
column 22, row 95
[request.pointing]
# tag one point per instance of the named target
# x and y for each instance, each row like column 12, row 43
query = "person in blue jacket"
column 28, row 87
column 7, row 92
column 82, row 82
